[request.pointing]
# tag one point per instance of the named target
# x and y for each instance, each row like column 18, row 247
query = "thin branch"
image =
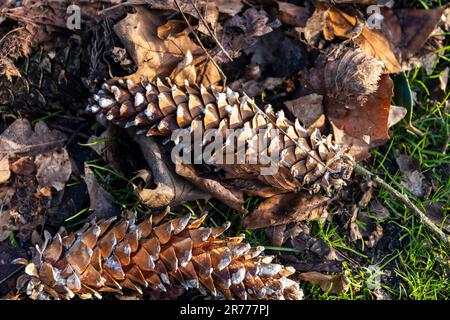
column 201, row 44
column 403, row 198
column 31, row 147
column 211, row 33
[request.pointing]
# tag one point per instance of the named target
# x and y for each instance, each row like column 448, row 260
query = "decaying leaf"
column 379, row 211
column 412, row 177
column 53, row 169
column 242, row 31
column 313, row 29
column 101, row 201
column 437, row 213
column 328, row 283
column 286, row 208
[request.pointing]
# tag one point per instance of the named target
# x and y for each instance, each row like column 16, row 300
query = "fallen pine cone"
column 307, row 159
column 115, row 256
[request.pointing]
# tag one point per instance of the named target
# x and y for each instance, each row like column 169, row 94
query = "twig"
column 53, row 144
column 201, row 44
column 127, row 3
column 403, row 198
column 210, row 31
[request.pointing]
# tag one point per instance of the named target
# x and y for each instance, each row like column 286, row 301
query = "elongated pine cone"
column 111, row 256
column 306, row 160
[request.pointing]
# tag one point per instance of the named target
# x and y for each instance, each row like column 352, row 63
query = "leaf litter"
column 329, row 70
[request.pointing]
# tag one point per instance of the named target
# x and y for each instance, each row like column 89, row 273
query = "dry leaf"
column 354, row 232
column 396, row 114
column 373, row 42
column 170, row 188
column 292, row 14
column 231, row 7
column 416, row 27
column 19, row 137
column 307, row 108
column 53, row 169
column 312, row 32
column 155, row 57
column 333, row 283
column 357, row 148
column 369, row 122
column 5, row 173
column 23, row 166
column 412, row 178
column 286, row 208
column 232, row 199
column 101, row 202
column 437, row 213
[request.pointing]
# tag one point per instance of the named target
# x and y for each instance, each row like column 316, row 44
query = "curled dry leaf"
column 373, row 42
column 156, row 57
column 328, row 283
column 354, row 232
column 170, row 189
column 101, row 201
column 233, row 199
column 286, row 208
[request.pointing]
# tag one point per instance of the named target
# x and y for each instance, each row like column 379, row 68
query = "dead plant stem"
column 407, row 202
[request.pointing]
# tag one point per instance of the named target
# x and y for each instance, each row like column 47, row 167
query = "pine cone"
column 306, row 160
column 47, row 80
column 352, row 77
column 113, row 257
